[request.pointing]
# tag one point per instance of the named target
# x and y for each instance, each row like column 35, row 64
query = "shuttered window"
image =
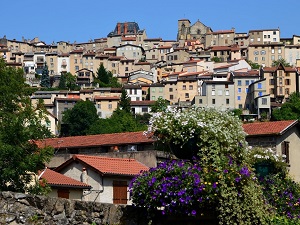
column 63, row 193
column 119, row 192
column 285, row 148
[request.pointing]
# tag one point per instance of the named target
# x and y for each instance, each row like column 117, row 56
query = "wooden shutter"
column 63, row 193
column 119, row 192
column 285, row 148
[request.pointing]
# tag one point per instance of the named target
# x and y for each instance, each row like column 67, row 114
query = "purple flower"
column 214, row 185
column 194, row 212
column 245, row 171
column 225, row 171
column 238, row 179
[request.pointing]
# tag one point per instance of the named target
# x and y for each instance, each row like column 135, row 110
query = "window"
column 271, row 82
column 287, row 82
column 63, row 193
column 119, row 192
column 99, row 106
column 200, row 101
column 171, row 97
column 226, row 85
column 227, row 92
column 187, row 95
column 144, row 109
column 239, row 90
column 264, row 101
column 213, row 92
column 256, row 59
column 263, row 58
column 183, row 87
column 287, row 91
column 246, row 90
column 260, row 93
column 262, row 52
column 75, row 61
column 213, row 101
column 227, row 101
column 239, row 98
column 259, row 86
column 285, row 151
column 110, row 106
column 247, row 82
column 190, row 87
column 239, row 83
column 170, row 89
column 240, row 106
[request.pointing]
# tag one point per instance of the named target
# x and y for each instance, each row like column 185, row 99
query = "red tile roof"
column 109, row 166
column 56, row 179
column 145, row 102
column 107, row 98
column 268, row 128
column 96, row 140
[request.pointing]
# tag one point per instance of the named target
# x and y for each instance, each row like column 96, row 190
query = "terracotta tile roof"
column 164, row 47
column 107, row 98
column 56, row 179
column 109, row 49
column 222, row 32
column 115, row 57
column 268, row 128
column 128, row 38
column 108, row 166
column 142, row 63
column 76, row 51
column 251, row 73
column 146, row 102
column 96, row 140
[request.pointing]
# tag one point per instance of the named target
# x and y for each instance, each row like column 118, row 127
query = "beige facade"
column 105, row 105
column 157, row 91
column 187, row 89
column 218, row 94
column 280, row 82
column 265, row 54
column 130, row 51
column 220, row 38
column 76, row 61
column 52, row 62
column 266, row 36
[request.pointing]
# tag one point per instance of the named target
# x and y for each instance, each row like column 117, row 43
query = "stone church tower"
column 197, row 31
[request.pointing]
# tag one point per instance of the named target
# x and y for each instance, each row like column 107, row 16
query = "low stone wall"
column 18, row 208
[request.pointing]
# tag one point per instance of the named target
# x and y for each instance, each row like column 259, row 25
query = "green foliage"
column 216, row 59
column 281, row 61
column 160, row 105
column 20, row 125
column 253, row 65
column 40, row 188
column 80, row 118
column 120, row 121
column 218, row 176
column 68, row 81
column 105, row 78
column 289, row 110
column 237, row 112
column 45, row 79
column 125, row 103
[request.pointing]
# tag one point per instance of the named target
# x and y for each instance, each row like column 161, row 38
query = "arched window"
column 198, row 31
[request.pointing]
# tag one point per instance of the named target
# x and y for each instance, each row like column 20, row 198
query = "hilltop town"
column 202, row 67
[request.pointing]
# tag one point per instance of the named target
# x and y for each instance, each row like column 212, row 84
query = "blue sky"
column 80, row 21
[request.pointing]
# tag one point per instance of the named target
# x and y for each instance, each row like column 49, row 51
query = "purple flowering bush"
column 218, row 177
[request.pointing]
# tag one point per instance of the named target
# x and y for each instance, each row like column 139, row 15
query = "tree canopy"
column 105, row 78
column 289, row 110
column 68, row 81
column 160, row 105
column 79, row 119
column 20, row 126
column 45, row 79
column 280, row 61
column 124, row 103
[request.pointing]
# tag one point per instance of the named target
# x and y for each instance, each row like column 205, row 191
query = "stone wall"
column 18, row 208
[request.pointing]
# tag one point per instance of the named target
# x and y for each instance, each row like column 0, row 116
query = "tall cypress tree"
column 102, row 74
column 45, row 80
column 124, row 103
column 62, row 81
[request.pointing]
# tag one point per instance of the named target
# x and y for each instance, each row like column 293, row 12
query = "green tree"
column 281, row 61
column 160, row 105
column 125, row 103
column 103, row 75
column 45, row 79
column 289, row 110
column 79, row 119
column 216, row 59
column 62, row 82
column 20, row 126
column 120, row 121
column 253, row 65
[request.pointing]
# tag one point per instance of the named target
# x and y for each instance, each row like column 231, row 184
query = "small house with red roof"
column 63, row 186
column 108, row 177
column 281, row 136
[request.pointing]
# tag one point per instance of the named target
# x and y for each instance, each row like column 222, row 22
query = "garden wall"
column 18, row 208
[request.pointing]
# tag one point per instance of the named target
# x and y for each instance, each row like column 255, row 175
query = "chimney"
column 119, row 28
column 84, row 177
column 125, row 28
